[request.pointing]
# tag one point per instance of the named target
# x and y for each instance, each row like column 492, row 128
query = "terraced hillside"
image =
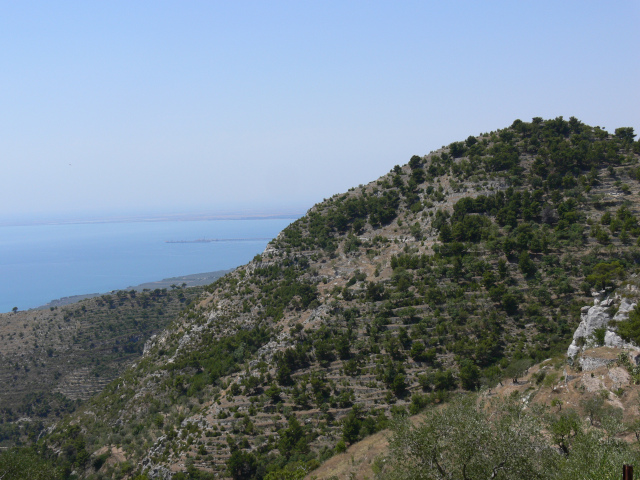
column 51, row 360
column 452, row 272
column 599, row 402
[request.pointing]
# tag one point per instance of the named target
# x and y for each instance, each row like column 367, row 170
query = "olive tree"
column 464, row 441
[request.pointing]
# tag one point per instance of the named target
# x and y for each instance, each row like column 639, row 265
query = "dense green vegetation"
column 629, row 329
column 448, row 274
column 19, row 464
column 467, row 439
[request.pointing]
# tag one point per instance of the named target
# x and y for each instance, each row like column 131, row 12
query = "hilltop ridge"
column 458, row 269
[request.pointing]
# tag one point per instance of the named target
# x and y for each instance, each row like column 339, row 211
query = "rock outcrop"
column 599, row 317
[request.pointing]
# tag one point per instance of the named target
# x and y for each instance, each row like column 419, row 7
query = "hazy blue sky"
column 237, row 106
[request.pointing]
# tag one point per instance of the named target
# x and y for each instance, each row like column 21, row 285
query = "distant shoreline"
column 96, row 258
column 151, row 218
column 210, row 240
column 193, row 280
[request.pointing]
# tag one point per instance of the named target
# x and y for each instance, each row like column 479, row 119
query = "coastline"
column 44, row 263
column 192, row 280
column 149, row 219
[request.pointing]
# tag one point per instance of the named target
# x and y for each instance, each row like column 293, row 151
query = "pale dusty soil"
column 356, row 462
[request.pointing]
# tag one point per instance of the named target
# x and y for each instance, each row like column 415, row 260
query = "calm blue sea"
column 41, row 263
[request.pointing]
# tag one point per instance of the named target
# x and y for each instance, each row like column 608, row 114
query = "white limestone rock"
column 626, row 305
column 593, row 363
column 598, row 316
column 612, row 339
column 595, row 317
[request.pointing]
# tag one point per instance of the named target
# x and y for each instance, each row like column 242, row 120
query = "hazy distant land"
column 52, row 261
column 179, row 217
column 193, row 280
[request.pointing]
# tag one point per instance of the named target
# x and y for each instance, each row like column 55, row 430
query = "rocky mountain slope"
column 601, row 400
column 51, row 360
column 596, row 384
column 461, row 268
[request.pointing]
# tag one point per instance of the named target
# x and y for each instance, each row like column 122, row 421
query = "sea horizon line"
column 179, row 217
